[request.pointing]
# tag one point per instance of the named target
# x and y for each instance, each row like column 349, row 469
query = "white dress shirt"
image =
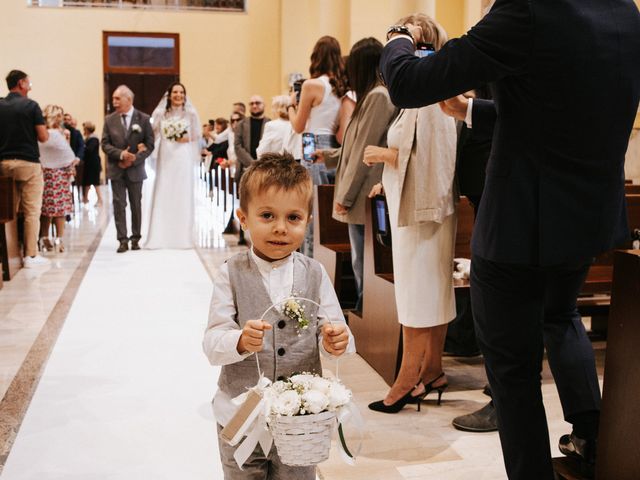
column 222, row 334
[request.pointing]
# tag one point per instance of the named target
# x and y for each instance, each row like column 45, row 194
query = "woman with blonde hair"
column 419, row 166
column 57, row 159
column 276, row 132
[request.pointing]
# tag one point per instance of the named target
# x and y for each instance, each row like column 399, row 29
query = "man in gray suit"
column 127, row 139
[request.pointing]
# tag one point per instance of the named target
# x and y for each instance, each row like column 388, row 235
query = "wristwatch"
column 401, row 29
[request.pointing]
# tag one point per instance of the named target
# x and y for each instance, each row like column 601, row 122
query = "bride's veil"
column 151, row 164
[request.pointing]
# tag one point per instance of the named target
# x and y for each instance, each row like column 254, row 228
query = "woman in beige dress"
column 419, row 166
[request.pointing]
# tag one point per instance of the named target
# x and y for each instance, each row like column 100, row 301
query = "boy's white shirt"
column 222, row 334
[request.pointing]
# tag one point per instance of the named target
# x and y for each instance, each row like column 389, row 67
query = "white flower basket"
column 303, row 440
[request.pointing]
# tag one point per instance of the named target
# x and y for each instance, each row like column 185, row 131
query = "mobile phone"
column 297, row 87
column 308, row 147
column 424, row 49
column 382, row 228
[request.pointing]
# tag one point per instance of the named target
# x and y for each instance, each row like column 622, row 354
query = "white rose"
column 287, row 403
column 339, row 395
column 303, row 380
column 314, row 401
column 136, row 128
column 321, row 385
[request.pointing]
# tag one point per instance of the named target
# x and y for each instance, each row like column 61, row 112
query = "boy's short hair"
column 278, row 170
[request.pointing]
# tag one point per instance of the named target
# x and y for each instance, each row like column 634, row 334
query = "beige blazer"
column 426, row 142
column 354, row 179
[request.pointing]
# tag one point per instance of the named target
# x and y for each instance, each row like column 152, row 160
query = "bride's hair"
column 169, row 94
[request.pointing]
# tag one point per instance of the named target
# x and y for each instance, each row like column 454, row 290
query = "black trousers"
column 519, row 311
column 120, row 188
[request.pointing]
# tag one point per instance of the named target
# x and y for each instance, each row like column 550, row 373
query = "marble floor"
column 102, row 374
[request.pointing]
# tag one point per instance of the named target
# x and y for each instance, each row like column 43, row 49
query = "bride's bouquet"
column 174, row 128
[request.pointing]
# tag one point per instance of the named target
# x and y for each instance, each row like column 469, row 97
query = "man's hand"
column 141, row 147
column 127, row 159
column 252, row 335
column 416, row 32
column 455, row 107
column 341, row 209
column 335, row 338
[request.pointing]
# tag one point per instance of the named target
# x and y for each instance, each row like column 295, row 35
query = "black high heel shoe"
column 399, row 404
column 428, row 388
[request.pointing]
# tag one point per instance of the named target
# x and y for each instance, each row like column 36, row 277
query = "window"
column 129, row 52
column 222, row 5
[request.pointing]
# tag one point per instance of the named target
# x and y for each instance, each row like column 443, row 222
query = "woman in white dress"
column 172, row 210
column 418, row 176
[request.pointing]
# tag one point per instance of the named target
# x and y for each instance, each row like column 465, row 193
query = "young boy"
column 275, row 205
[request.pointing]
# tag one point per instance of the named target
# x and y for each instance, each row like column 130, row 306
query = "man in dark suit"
column 247, row 137
column 127, row 139
column 565, row 79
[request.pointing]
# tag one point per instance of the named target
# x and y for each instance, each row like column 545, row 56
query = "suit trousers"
column 29, row 186
column 120, row 188
column 519, row 310
column 260, row 466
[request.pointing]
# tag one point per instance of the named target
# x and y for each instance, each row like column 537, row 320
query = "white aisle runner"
column 126, row 393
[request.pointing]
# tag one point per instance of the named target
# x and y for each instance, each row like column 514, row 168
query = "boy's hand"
column 252, row 335
column 335, row 338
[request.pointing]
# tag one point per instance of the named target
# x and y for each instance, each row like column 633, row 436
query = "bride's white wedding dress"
column 172, row 205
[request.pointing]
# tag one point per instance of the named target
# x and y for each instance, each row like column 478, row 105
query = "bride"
column 177, row 129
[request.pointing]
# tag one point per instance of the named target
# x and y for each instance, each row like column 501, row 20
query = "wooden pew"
column 595, row 296
column 632, row 188
column 331, row 246
column 619, row 434
column 378, row 333
column 10, row 252
column 619, row 437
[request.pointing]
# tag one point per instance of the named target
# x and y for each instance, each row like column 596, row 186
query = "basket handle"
column 281, row 303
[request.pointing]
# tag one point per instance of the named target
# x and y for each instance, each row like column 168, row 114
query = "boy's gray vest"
column 284, row 352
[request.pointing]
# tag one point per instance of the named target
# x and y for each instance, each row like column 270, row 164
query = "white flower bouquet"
column 301, row 415
column 174, row 128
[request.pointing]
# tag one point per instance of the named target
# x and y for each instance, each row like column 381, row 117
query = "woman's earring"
column 244, row 227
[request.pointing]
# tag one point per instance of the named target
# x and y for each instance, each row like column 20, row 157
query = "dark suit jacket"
column 242, row 144
column 115, row 140
column 566, row 85
column 76, row 141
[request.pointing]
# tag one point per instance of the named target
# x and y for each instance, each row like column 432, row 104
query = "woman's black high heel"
column 379, row 406
column 428, row 387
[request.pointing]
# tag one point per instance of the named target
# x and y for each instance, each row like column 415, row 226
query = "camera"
column 297, row 87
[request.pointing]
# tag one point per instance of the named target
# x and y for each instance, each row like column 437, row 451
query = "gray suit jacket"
column 242, row 143
column 115, row 140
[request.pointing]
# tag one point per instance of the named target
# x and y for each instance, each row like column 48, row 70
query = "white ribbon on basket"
column 257, row 431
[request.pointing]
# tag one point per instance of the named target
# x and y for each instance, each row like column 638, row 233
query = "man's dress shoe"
column 584, row 451
column 483, row 420
column 135, row 245
column 124, row 246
